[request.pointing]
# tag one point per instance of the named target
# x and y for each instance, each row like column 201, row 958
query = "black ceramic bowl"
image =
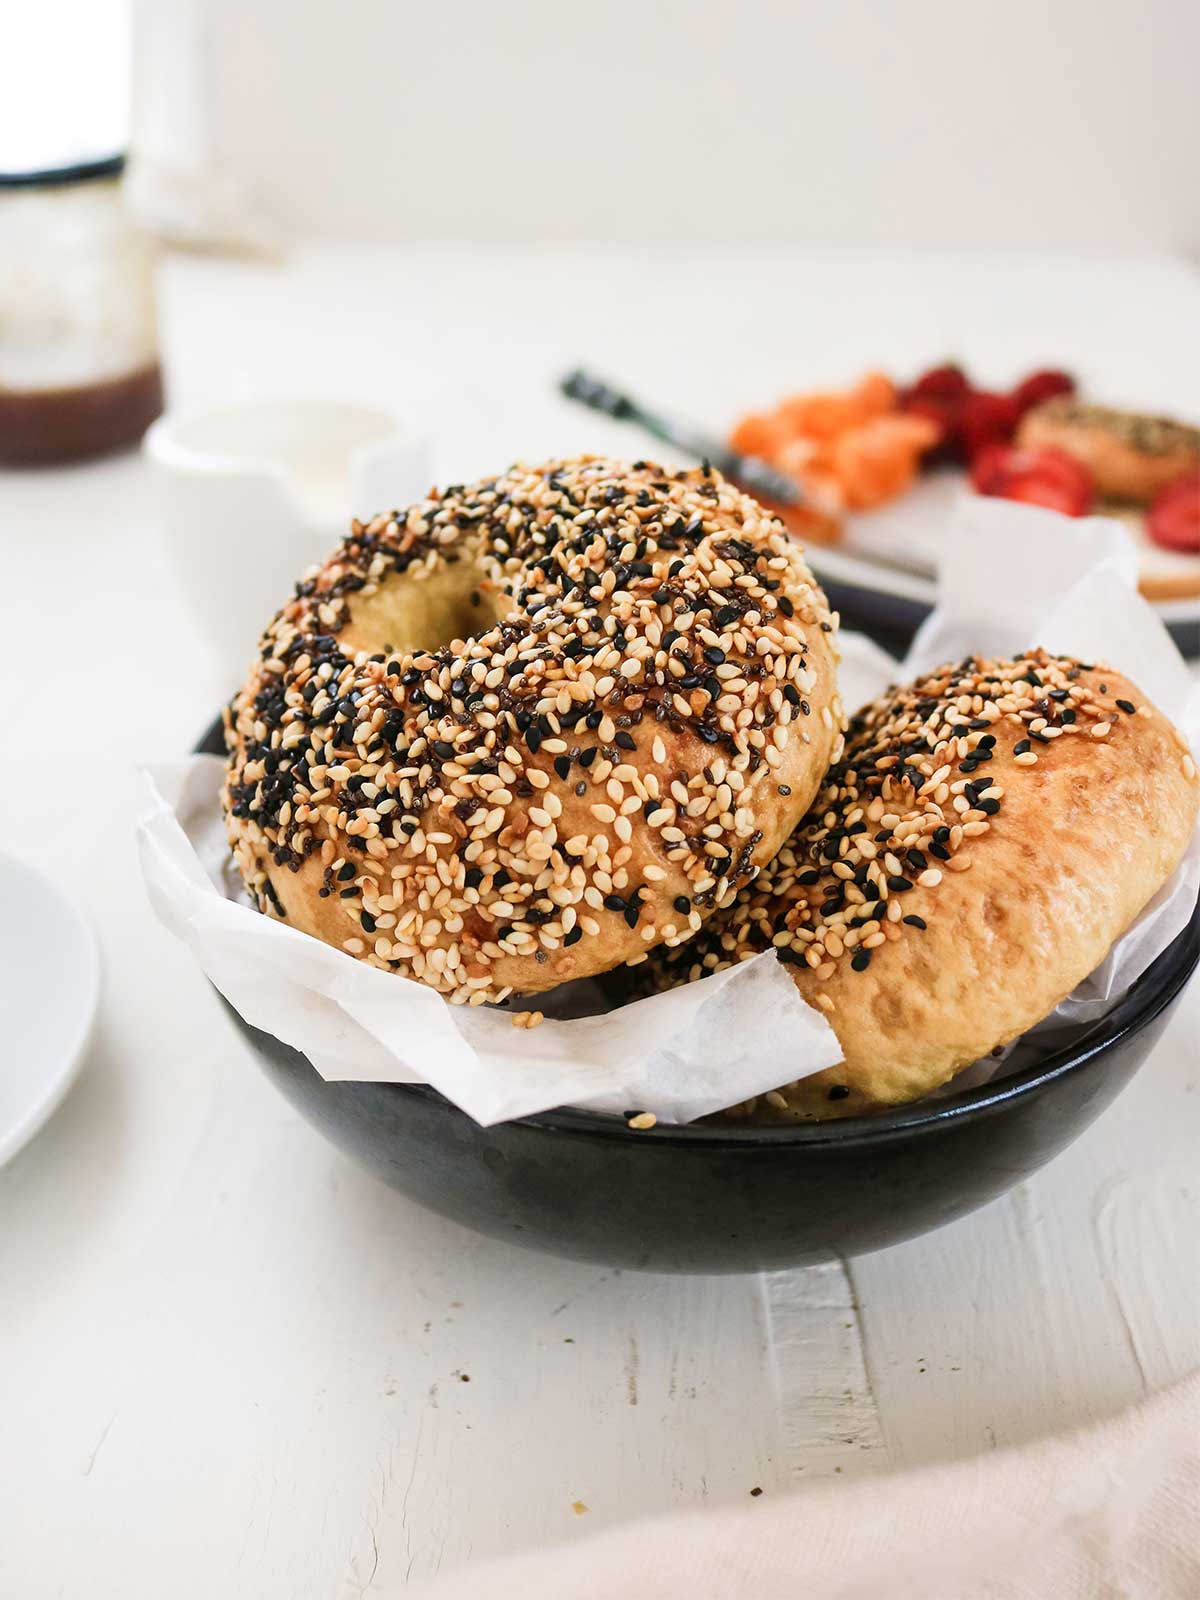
column 736, row 1199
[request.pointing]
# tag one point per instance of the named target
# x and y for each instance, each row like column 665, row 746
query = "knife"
column 751, row 472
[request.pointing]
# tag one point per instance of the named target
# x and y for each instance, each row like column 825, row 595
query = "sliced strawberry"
column 1038, row 477
column 986, row 419
column 1174, row 516
column 1040, row 386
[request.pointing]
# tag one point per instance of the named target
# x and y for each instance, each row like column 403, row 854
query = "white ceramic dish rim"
column 167, row 439
column 54, row 1089
column 167, row 442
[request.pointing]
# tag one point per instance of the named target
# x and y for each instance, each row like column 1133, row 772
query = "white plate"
column 902, row 543
column 49, row 988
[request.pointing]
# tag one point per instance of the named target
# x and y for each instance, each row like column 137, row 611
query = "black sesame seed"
column 368, row 922
column 614, row 902
column 861, row 960
column 562, row 766
column 626, row 740
column 899, row 885
column 915, row 922
column 682, row 904
column 715, row 655
column 1127, row 706
column 839, row 1091
column 574, row 936
column 1021, row 746
column 346, row 872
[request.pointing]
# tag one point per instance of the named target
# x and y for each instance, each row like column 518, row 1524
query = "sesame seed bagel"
column 1130, row 456
column 987, row 834
column 534, row 727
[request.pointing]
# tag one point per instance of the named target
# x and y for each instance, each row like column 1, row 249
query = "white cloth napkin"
column 1110, row 1513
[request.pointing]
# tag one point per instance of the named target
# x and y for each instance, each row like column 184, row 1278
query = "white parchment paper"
column 1015, row 576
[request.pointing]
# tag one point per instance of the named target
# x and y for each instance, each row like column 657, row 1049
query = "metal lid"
column 58, row 177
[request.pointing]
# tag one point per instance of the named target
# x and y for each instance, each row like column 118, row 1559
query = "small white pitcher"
column 253, row 494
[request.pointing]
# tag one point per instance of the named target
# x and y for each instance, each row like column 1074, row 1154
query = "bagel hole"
column 445, row 605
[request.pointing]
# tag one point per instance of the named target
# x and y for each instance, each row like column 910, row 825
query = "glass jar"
column 79, row 367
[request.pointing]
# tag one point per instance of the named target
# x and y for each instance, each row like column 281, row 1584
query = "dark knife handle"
column 749, row 471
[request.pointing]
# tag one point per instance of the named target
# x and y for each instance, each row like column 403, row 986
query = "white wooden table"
column 232, row 1364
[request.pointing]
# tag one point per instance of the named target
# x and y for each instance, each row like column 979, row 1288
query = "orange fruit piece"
column 758, row 435
column 875, row 395
column 850, row 446
column 877, row 461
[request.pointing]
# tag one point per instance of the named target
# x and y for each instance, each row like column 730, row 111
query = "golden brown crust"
column 625, row 699
column 1022, row 860
column 1130, row 456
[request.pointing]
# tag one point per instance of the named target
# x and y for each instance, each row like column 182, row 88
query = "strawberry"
column 1038, row 477
column 944, row 385
column 1040, row 386
column 1173, row 520
column 986, row 419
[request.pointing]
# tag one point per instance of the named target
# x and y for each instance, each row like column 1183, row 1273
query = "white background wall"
column 1028, row 122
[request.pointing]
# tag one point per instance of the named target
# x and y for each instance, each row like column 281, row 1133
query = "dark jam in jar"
column 48, row 426
column 79, row 367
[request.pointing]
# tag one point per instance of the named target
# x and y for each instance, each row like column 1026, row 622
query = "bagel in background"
column 533, row 727
column 1130, row 456
column 987, row 834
